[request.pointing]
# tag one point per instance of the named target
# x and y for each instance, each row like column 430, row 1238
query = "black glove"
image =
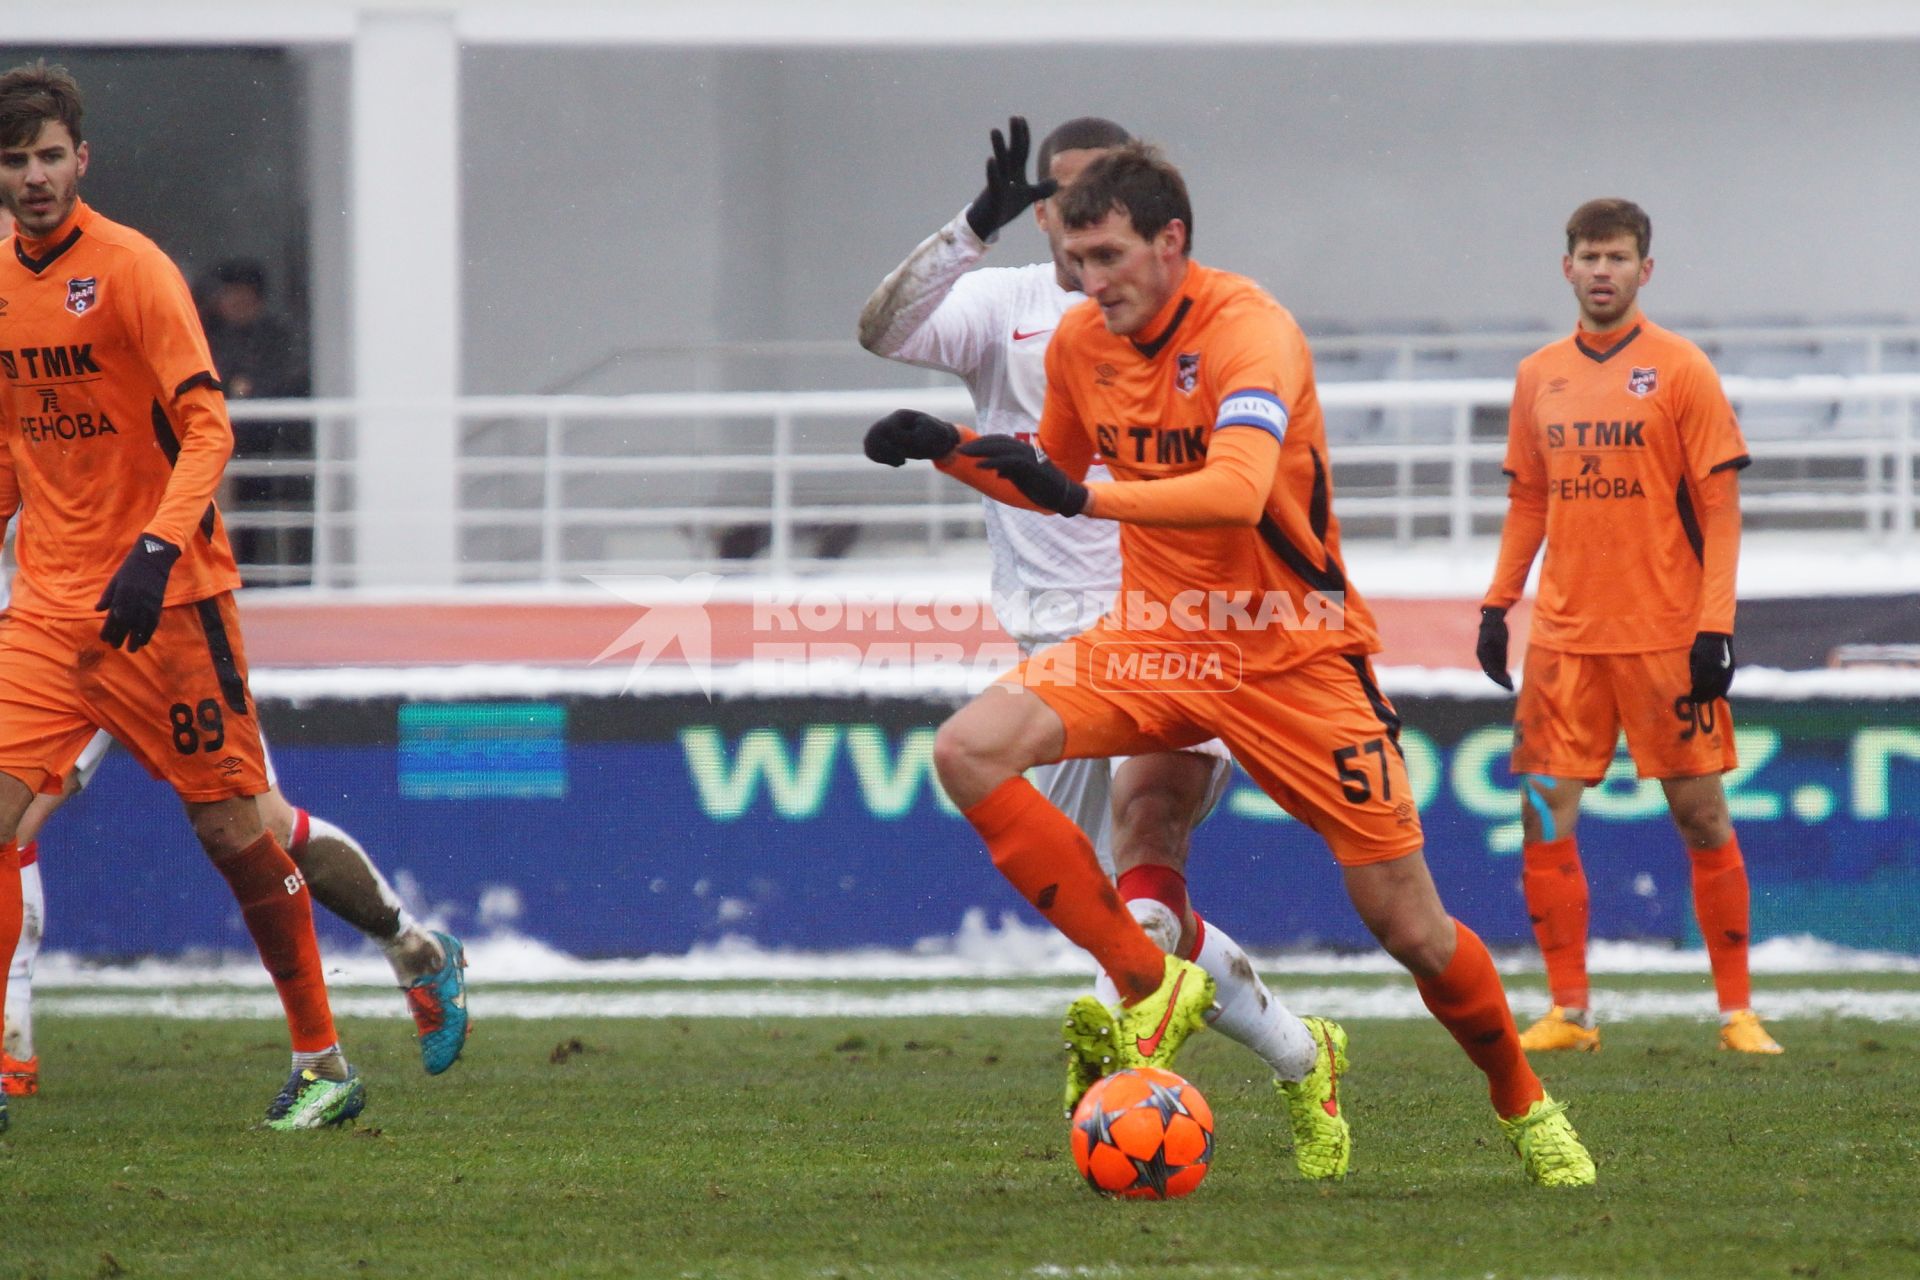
column 1043, row 483
column 1491, row 649
column 136, row 591
column 1008, row 192
column 908, row 433
column 1711, row 665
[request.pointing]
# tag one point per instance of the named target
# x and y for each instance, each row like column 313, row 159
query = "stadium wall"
column 645, row 825
column 690, row 195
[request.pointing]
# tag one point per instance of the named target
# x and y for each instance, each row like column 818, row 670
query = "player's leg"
column 1688, row 746
column 1083, row 790
column 1158, row 800
column 14, row 796
column 182, row 709
column 43, row 729
column 1565, row 728
column 1720, row 905
column 1323, row 742
column 429, row 966
column 1048, row 709
column 19, row 1063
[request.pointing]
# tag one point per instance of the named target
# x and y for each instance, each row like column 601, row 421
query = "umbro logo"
column 3, row 306
column 1558, row 384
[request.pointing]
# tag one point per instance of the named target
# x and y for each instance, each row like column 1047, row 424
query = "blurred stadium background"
column 571, row 291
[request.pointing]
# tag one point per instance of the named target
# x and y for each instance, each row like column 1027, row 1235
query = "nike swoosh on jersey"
column 1031, row 333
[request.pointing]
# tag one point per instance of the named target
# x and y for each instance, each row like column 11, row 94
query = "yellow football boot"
column 1557, row 1031
column 1548, row 1148
column 1743, row 1033
column 1149, row 1034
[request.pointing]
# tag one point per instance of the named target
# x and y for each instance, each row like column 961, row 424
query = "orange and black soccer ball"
column 1144, row 1134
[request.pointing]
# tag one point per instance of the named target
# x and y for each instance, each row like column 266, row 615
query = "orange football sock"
column 1720, row 904
column 12, row 911
column 1556, row 893
column 1470, row 1003
column 1051, row 862
column 279, row 914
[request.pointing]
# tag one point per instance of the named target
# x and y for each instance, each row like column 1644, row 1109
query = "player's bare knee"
column 1704, row 826
column 227, row 827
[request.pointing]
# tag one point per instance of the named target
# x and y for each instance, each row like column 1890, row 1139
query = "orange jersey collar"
column 56, row 241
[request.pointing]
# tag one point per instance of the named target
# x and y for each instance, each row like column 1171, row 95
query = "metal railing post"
column 781, row 552
column 1460, row 519
column 1903, row 457
column 551, row 494
column 325, row 428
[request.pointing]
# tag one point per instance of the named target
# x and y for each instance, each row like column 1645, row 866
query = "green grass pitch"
column 932, row 1148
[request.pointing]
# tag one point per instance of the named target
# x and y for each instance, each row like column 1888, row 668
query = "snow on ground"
column 976, row 965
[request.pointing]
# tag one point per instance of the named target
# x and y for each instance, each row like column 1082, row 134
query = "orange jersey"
column 1619, row 445
column 114, row 422
column 1226, row 374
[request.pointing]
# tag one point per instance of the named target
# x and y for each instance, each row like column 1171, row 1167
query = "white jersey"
column 1053, row 577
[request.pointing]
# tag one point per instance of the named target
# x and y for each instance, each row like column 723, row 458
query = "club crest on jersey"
column 1186, row 371
column 1642, row 381
column 83, row 294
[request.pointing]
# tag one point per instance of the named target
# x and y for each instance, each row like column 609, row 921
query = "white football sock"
column 1245, row 1010
column 19, row 1011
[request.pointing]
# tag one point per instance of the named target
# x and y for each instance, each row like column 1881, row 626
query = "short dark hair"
column 31, row 95
column 1082, row 133
column 1137, row 180
column 1606, row 218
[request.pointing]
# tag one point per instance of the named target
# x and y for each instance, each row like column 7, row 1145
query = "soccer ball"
column 1144, row 1134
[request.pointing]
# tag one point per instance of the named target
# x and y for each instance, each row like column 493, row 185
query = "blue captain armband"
column 1254, row 409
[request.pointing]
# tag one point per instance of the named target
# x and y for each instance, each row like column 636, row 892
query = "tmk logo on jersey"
column 1186, row 371
column 68, row 361
column 1597, row 435
column 82, row 294
column 1172, row 446
column 1642, row 381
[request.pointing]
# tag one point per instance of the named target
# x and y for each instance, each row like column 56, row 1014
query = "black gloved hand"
column 136, row 592
column 908, row 433
column 1711, row 665
column 1491, row 649
column 1008, row 192
column 1043, row 483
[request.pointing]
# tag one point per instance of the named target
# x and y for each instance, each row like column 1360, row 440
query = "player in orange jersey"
column 122, row 615
column 1624, row 457
column 1234, row 620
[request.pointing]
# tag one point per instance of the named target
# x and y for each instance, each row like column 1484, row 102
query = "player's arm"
column 1521, row 534
column 168, row 340
column 1716, row 452
column 168, row 337
column 1525, row 527
column 917, row 315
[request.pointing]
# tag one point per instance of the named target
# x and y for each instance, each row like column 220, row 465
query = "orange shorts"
column 180, row 705
column 1573, row 705
column 1319, row 738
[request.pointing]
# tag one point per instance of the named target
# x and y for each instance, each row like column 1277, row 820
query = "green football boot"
column 1322, row 1142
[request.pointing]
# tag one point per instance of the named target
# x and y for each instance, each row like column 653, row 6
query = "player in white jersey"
column 341, row 877
column 1054, row 578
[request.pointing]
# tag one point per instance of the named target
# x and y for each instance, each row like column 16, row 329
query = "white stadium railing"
column 554, row 487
